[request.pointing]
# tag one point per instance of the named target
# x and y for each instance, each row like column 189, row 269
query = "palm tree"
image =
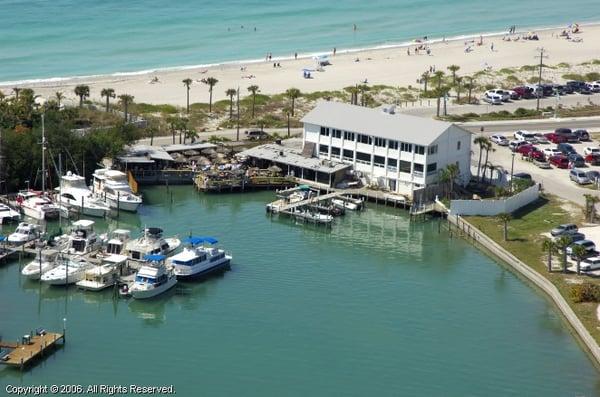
column 231, row 93
column 108, row 93
column 187, row 83
column 438, row 77
column 353, row 91
column 253, row 89
column 16, row 90
column 176, row 123
column 458, row 87
column 590, row 207
column 189, row 134
column 481, row 141
column 211, row 82
column 425, row 80
column 363, row 89
column 453, row 69
column 59, row 97
column 487, row 147
column 293, row 94
column 561, row 244
column 125, row 100
column 470, row 86
column 549, row 246
column 505, row 217
column 82, row 91
column 579, row 252
column 449, row 174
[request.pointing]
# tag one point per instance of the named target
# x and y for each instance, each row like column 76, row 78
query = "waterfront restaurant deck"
column 30, row 348
column 294, row 162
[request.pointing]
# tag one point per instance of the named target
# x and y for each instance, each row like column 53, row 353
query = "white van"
column 589, row 264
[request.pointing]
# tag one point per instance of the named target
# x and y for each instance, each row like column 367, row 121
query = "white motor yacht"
column 116, row 241
column 112, row 187
column 151, row 242
column 77, row 196
column 104, row 275
column 8, row 215
column 153, row 278
column 83, row 239
column 68, row 271
column 37, row 205
column 44, row 261
column 198, row 260
column 24, row 233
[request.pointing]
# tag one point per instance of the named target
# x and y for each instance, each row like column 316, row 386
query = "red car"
column 526, row 149
column 559, row 161
column 537, row 154
column 556, row 138
column 593, row 159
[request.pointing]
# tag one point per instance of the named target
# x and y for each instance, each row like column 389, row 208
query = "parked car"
column 256, row 134
column 593, row 159
column 565, row 148
column 564, row 229
column 567, row 133
column 547, row 89
column 525, row 149
column 541, row 138
column 578, row 86
column 551, row 151
column 524, row 92
column 560, row 161
column 523, row 135
column 591, row 150
column 514, row 95
column 523, row 175
column 555, row 138
column 593, row 176
column 536, row 91
column 503, row 94
column 589, row 246
column 583, row 135
column 492, row 99
column 537, row 155
column 593, row 86
column 562, row 90
column 579, row 176
column 514, row 145
column 590, row 264
column 578, row 236
column 576, row 160
column 499, row 140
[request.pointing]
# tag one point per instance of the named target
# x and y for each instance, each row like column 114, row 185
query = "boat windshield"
column 78, row 245
column 143, row 279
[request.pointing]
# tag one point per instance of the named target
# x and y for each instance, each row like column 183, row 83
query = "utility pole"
column 43, row 156
column 238, row 115
column 542, row 56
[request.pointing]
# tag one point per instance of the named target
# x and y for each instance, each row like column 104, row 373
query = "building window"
column 406, row 147
column 458, row 145
column 393, row 144
column 365, row 139
column 405, row 166
column 418, row 170
column 336, row 133
column 392, row 164
column 364, row 158
column 335, row 150
column 432, row 149
column 325, row 131
column 349, row 136
column 431, row 168
column 379, row 161
column 419, row 149
column 380, row 142
column 323, row 149
column 348, row 155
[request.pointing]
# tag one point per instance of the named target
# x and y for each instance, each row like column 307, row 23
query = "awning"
column 195, row 240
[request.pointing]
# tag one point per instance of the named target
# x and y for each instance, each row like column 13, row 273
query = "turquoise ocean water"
column 60, row 38
column 377, row 306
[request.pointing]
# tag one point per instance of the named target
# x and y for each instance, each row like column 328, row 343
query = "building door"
column 392, row 184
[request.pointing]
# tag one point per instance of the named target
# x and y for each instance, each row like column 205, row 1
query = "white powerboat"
column 116, row 241
column 151, row 242
column 112, row 187
column 44, row 261
column 197, row 260
column 24, row 233
column 37, row 205
column 8, row 215
column 77, row 196
column 153, row 278
column 83, row 239
column 68, row 271
column 344, row 204
column 105, row 275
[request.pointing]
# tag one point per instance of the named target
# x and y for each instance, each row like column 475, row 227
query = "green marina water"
column 375, row 306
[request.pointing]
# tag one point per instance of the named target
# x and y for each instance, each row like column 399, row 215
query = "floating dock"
column 31, row 347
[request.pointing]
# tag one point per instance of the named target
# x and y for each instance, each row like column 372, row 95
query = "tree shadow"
column 521, row 212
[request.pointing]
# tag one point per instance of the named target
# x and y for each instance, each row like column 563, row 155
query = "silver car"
column 500, row 140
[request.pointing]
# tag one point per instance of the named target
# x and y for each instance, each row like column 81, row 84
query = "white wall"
column 449, row 154
column 495, row 207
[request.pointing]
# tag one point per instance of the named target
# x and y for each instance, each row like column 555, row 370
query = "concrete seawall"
column 540, row 281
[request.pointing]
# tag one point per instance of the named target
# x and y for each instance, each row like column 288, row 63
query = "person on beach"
column 334, row 51
column 492, row 47
column 408, row 51
column 295, row 55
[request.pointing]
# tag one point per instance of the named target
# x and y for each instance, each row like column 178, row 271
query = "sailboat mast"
column 43, row 156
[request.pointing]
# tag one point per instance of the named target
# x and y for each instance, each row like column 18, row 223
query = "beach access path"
column 390, row 66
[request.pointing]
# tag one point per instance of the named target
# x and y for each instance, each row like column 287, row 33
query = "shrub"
column 573, row 76
column 563, row 65
column 586, row 292
column 592, row 76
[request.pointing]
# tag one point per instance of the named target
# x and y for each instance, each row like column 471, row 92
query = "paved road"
column 544, row 125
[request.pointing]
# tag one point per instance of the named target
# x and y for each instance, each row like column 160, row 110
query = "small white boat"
column 116, row 241
column 8, row 215
column 104, row 275
column 345, row 204
column 112, row 187
column 68, row 271
column 83, row 239
column 197, row 260
column 37, row 205
column 78, row 197
column 150, row 243
column 44, row 261
column 306, row 215
column 153, row 278
column 24, row 233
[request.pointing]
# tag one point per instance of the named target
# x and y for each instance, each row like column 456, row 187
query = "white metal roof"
column 192, row 146
column 375, row 122
column 83, row 223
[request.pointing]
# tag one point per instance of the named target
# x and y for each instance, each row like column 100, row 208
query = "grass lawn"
column 525, row 242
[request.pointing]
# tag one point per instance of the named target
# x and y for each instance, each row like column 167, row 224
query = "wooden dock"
column 22, row 354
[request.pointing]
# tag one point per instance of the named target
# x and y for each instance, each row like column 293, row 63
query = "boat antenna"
column 43, row 143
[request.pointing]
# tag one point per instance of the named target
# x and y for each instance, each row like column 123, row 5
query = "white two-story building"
column 395, row 151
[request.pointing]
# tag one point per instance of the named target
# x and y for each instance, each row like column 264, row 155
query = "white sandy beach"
column 390, row 66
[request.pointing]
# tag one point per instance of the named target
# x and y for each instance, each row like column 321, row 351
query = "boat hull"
column 93, row 285
column 151, row 293
column 32, row 270
column 129, row 206
column 72, row 279
column 204, row 273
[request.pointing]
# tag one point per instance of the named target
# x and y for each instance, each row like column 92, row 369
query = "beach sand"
column 390, row 66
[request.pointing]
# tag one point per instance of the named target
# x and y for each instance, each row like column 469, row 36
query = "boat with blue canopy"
column 153, row 278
